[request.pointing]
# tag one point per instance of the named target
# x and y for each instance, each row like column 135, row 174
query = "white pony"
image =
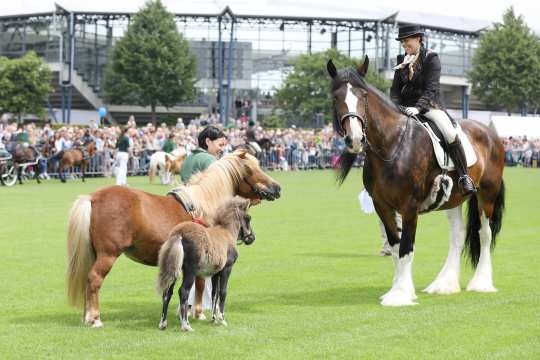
column 164, row 164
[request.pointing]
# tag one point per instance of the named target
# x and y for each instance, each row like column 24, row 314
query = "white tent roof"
column 337, row 10
column 516, row 126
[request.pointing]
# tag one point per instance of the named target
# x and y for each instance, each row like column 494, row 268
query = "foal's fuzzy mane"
column 216, row 185
column 230, row 212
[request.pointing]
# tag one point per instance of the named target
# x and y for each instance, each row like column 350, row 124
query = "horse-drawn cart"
column 8, row 169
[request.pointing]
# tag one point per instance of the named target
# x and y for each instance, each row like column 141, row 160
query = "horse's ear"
column 332, row 71
column 362, row 69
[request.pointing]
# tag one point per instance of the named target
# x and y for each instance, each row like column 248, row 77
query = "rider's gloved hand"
column 411, row 111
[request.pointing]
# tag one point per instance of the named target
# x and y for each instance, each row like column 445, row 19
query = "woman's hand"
column 411, row 111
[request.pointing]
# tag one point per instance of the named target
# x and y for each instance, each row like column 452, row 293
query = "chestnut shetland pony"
column 116, row 220
column 76, row 156
column 399, row 172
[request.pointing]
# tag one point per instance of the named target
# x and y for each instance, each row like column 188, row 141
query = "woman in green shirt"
column 211, row 143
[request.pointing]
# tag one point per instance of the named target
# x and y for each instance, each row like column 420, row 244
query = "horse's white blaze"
column 402, row 292
column 482, row 280
column 447, row 282
column 356, row 130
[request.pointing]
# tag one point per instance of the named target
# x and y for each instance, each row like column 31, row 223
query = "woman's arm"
column 432, row 75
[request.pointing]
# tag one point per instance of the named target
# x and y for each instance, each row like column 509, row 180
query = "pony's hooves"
column 442, row 287
column 398, row 298
column 97, row 324
column 162, row 324
column 200, row 316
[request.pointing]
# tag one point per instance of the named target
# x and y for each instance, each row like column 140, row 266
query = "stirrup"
column 466, row 184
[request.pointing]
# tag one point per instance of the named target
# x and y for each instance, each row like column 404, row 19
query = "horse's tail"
column 81, row 254
column 472, row 239
column 495, row 222
column 171, row 259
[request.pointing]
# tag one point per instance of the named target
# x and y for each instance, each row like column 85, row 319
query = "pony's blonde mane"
column 213, row 187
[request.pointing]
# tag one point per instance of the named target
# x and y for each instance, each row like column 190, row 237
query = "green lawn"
column 307, row 288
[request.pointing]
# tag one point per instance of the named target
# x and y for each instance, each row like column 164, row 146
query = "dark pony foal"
column 198, row 251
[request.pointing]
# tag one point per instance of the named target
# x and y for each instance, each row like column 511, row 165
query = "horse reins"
column 364, row 121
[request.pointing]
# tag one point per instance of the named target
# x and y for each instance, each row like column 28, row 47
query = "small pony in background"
column 166, row 164
column 196, row 250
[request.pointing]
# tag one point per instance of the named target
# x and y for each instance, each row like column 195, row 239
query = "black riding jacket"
column 423, row 90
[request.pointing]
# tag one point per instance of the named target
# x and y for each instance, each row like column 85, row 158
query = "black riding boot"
column 457, row 155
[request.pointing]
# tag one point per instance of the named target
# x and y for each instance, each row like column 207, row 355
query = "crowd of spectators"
column 521, row 151
column 292, row 148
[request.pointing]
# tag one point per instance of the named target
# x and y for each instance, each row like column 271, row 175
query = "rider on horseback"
column 251, row 137
column 416, row 88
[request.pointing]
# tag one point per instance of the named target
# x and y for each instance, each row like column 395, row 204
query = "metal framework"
column 81, row 41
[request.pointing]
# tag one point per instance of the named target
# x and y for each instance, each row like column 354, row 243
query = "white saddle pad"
column 470, row 155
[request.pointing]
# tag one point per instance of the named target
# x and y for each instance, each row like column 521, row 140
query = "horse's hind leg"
column 166, row 299
column 447, row 282
column 97, row 274
column 199, row 292
column 482, row 280
column 183, row 292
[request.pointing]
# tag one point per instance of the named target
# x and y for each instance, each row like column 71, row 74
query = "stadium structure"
column 243, row 50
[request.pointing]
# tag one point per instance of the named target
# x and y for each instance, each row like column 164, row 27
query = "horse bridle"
column 366, row 145
column 363, row 119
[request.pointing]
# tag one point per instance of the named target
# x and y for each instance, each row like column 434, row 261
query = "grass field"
column 307, row 288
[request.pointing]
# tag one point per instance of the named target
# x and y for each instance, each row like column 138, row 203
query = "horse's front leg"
column 83, row 165
column 223, row 282
column 61, row 174
column 37, row 173
column 215, row 294
column 402, row 292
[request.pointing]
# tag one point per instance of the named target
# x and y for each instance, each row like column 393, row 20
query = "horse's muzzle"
column 271, row 193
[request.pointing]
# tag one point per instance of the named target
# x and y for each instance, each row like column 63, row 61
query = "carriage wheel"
column 8, row 173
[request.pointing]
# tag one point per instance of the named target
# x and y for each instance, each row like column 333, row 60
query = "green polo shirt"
column 169, row 146
column 199, row 160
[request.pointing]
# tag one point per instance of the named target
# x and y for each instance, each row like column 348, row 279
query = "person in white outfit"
column 122, row 157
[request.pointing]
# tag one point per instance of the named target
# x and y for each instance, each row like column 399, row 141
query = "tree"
column 305, row 93
column 24, row 85
column 151, row 65
column 506, row 65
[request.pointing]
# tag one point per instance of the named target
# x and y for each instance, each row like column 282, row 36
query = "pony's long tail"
column 472, row 239
column 81, row 254
column 171, row 259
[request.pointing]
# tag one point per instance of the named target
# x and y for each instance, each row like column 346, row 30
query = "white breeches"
column 121, row 167
column 444, row 124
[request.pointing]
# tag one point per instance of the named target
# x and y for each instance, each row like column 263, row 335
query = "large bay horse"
column 399, row 172
column 79, row 155
column 116, row 220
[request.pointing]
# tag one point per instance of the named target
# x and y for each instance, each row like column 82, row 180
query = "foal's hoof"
column 162, row 324
column 198, row 316
column 186, row 328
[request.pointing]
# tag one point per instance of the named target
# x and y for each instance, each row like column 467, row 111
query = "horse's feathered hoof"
column 162, row 324
column 398, row 298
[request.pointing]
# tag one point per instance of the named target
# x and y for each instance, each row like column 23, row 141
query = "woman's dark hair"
column 210, row 132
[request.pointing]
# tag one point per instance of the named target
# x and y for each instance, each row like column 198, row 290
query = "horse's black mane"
column 352, row 76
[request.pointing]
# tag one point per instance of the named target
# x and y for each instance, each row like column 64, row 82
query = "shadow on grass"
column 336, row 255
column 144, row 315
